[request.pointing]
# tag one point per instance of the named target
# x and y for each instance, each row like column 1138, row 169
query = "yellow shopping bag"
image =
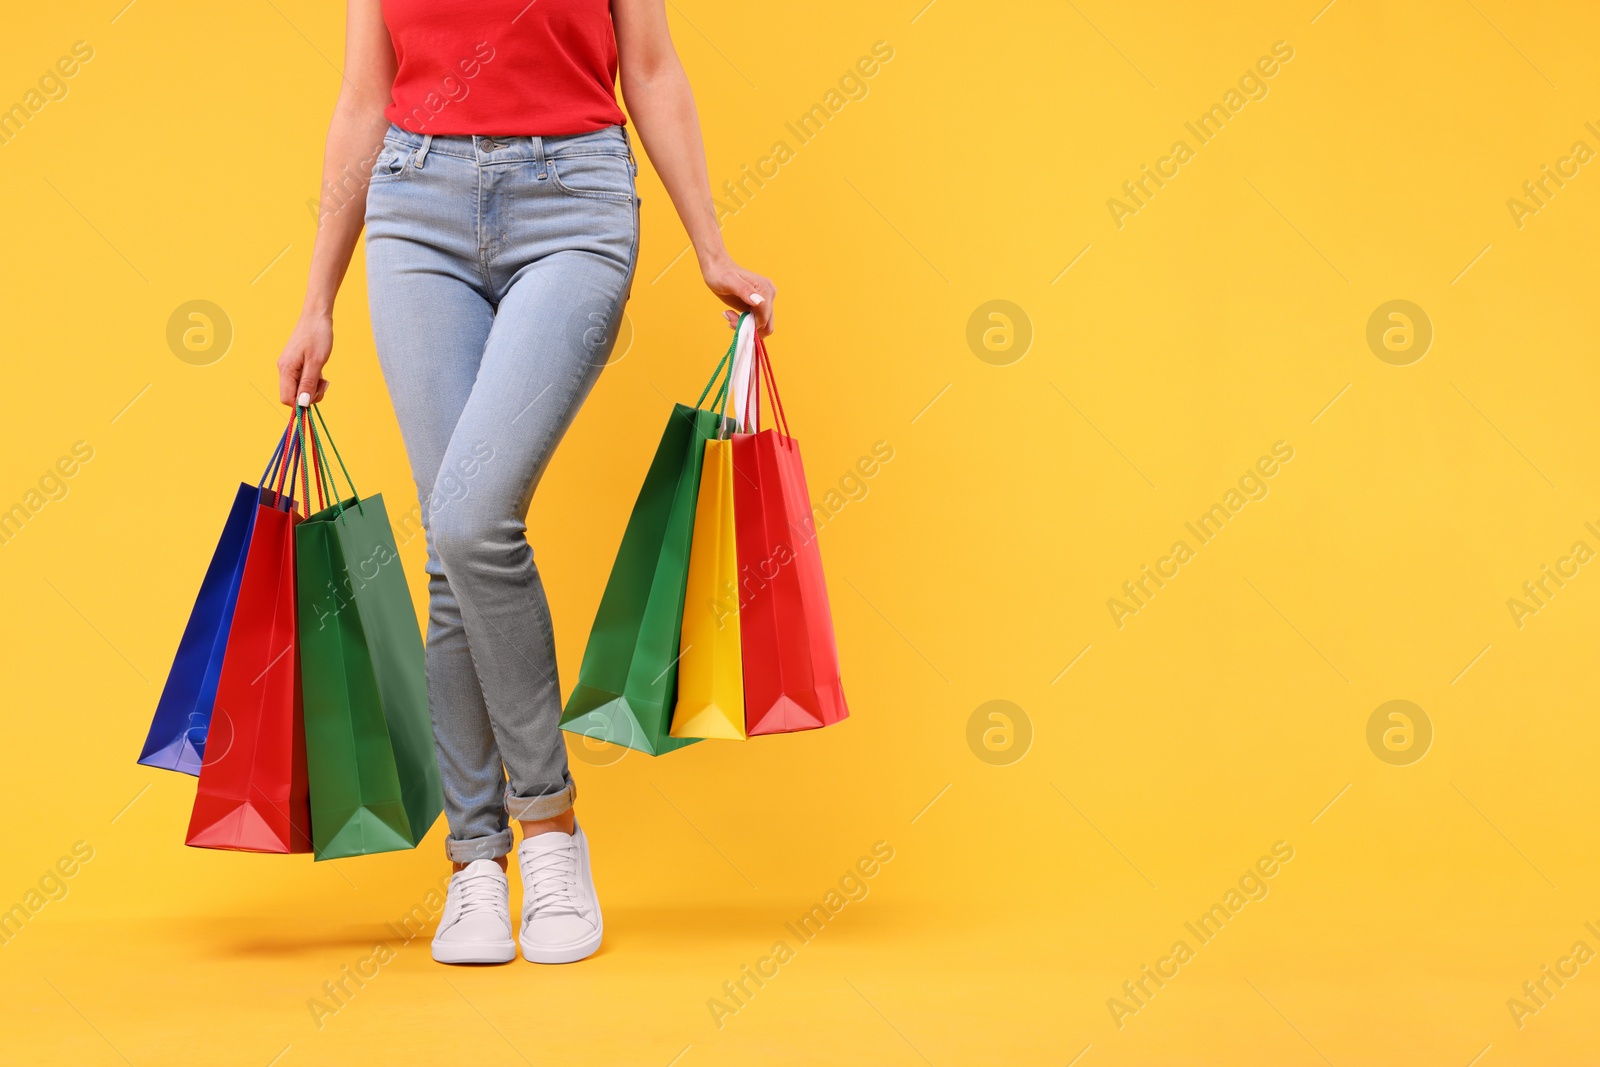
column 710, row 665
column 710, row 673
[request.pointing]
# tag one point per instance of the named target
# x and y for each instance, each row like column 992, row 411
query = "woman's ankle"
column 564, row 823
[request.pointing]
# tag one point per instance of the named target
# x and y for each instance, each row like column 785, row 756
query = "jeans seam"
column 633, row 260
column 483, row 249
column 591, row 194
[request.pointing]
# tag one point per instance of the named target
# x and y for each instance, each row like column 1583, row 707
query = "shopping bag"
column 252, row 790
column 710, row 673
column 177, row 737
column 373, row 774
column 628, row 681
column 791, row 664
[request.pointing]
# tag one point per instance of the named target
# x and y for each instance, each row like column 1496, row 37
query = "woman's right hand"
column 308, row 351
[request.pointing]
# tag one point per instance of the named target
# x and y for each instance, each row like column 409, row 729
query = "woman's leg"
column 431, row 318
column 558, row 265
column 493, row 221
column 543, row 355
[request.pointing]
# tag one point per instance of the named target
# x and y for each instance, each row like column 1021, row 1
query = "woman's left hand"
column 742, row 290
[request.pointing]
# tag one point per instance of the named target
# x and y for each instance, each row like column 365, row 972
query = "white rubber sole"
column 474, row 951
column 571, row 953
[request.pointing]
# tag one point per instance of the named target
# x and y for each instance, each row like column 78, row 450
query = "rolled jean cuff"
column 544, row 807
column 478, row 848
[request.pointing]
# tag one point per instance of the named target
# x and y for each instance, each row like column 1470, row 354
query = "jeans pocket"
column 392, row 161
column 597, row 175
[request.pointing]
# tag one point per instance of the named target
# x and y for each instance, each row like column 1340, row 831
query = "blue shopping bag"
column 177, row 740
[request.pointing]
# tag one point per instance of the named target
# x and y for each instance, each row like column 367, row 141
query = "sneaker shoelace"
column 550, row 882
column 480, row 893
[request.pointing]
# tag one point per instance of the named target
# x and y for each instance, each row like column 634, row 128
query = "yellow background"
column 1228, row 714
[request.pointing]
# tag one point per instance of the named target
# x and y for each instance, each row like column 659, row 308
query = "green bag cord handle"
column 349, row 480
column 725, row 361
column 714, row 376
column 319, row 467
column 324, row 468
column 723, row 396
column 305, row 471
column 725, row 391
column 324, row 484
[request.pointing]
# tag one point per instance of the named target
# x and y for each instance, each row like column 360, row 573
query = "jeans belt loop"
column 422, row 153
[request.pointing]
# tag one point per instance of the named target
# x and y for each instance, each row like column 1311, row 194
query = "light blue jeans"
column 497, row 270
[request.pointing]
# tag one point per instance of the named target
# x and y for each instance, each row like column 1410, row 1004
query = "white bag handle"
column 744, row 360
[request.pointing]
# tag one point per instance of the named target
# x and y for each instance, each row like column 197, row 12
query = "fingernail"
column 305, row 400
column 755, row 298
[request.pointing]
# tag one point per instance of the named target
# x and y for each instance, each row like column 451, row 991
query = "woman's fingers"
column 762, row 298
column 745, row 291
column 300, row 376
column 288, row 382
column 764, row 316
column 311, row 381
column 300, row 365
column 759, row 307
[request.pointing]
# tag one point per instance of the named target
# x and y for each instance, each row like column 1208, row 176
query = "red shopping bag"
column 791, row 664
column 252, row 795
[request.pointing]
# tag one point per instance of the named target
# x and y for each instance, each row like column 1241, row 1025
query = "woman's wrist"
column 315, row 310
column 713, row 259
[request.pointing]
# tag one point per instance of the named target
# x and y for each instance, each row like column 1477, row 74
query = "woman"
column 502, row 236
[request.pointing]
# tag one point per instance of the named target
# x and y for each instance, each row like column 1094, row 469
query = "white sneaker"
column 560, row 912
column 476, row 925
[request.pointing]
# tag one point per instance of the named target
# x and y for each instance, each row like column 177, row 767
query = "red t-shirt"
column 521, row 68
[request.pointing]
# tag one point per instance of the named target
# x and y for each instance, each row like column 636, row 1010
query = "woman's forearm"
column 355, row 135
column 662, row 106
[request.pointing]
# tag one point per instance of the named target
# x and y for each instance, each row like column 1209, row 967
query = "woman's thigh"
column 430, row 316
column 551, row 337
column 560, row 238
column 497, row 279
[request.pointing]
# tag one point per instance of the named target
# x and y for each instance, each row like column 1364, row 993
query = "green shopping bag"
column 628, row 683
column 374, row 778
